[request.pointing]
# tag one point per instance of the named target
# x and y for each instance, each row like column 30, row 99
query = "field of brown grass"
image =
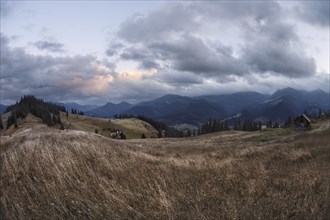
column 275, row 174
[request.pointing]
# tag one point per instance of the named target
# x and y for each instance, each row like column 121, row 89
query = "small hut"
column 302, row 122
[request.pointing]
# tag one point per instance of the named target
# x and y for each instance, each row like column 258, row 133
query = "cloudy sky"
column 99, row 51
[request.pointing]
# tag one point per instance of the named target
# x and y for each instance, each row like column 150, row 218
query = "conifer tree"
column 188, row 133
column 1, row 124
column 59, row 121
column 54, row 119
column 14, row 118
column 237, row 125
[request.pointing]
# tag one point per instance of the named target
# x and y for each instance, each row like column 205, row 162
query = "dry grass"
column 52, row 174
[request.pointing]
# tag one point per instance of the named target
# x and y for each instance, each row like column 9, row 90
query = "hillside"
column 133, row 128
column 273, row 174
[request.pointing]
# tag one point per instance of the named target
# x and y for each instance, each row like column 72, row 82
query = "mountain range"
column 78, row 107
column 177, row 110
column 109, row 109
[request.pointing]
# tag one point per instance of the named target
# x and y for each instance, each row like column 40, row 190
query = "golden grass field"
column 47, row 173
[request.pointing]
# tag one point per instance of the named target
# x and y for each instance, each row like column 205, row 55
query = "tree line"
column 214, row 125
column 74, row 111
column 48, row 112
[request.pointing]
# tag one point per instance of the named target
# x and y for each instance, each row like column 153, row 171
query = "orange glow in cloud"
column 135, row 75
column 99, row 84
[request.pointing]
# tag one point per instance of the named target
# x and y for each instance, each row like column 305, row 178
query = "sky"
column 93, row 52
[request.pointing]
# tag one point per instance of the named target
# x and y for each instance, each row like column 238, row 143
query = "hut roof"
column 306, row 117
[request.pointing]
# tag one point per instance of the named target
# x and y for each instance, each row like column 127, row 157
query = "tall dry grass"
column 50, row 174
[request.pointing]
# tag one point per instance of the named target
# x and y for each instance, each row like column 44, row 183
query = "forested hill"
column 48, row 112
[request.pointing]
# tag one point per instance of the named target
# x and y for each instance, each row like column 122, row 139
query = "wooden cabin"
column 302, row 122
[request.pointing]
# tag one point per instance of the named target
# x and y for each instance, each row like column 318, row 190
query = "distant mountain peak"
column 109, row 104
column 170, row 96
column 124, row 103
column 109, row 109
column 287, row 91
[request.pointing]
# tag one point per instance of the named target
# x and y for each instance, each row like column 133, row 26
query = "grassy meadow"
column 274, row 174
column 132, row 127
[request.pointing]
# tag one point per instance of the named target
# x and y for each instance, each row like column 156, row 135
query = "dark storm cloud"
column 49, row 46
column 270, row 45
column 315, row 12
column 193, row 55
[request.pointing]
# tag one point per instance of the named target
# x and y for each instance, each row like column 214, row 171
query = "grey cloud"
column 178, row 78
column 272, row 57
column 187, row 17
column 145, row 56
column 275, row 48
column 160, row 24
column 315, row 12
column 173, row 39
column 236, row 10
column 187, row 53
column 149, row 64
column 275, row 31
column 133, row 54
column 193, row 55
column 52, row 78
column 113, row 49
column 50, row 46
column 267, row 47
